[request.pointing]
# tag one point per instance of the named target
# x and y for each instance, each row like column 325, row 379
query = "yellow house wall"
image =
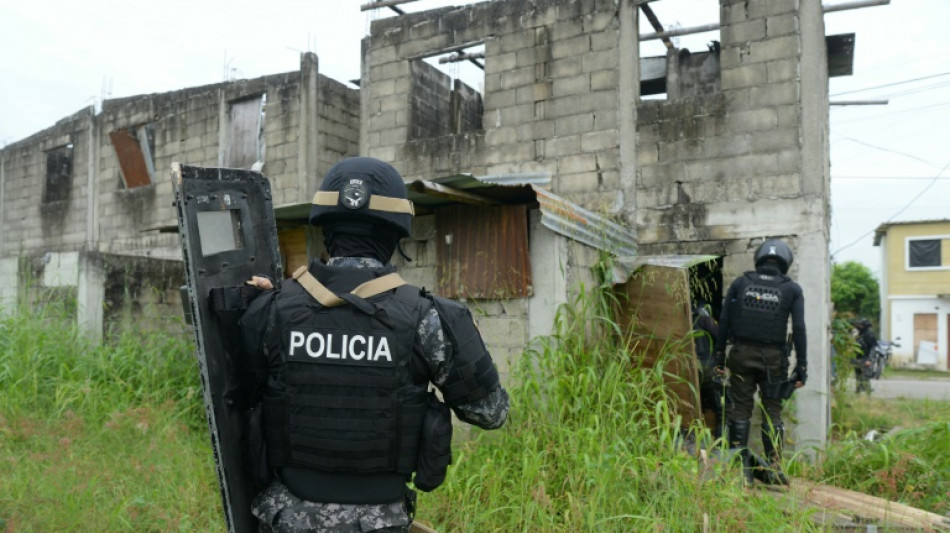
column 917, row 282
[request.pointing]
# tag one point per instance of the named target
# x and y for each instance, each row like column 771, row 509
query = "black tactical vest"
column 761, row 308
column 345, row 399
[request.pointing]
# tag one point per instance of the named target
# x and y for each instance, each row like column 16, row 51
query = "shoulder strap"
column 365, row 290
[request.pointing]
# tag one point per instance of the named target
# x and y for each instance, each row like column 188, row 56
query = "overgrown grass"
column 113, row 438
column 590, row 445
column 101, row 438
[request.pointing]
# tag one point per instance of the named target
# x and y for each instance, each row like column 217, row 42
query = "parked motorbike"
column 879, row 357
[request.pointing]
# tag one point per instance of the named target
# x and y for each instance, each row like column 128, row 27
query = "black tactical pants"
column 752, row 366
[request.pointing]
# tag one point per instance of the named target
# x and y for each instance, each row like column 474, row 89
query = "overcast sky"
column 889, row 162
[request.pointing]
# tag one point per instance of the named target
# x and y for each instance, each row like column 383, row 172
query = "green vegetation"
column 591, row 446
column 854, row 291
column 113, row 438
column 108, row 438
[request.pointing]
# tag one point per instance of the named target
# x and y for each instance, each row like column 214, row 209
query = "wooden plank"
column 867, row 506
column 654, row 316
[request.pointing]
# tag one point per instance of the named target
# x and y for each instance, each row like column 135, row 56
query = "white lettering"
column 330, row 354
column 310, row 351
column 382, row 350
column 296, row 340
column 354, row 354
column 341, row 346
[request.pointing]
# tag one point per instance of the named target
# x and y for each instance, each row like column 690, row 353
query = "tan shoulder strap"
column 365, row 290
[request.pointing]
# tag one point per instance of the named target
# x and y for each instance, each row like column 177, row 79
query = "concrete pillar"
column 90, row 296
column 628, row 95
column 549, row 258
column 814, row 401
column 308, row 135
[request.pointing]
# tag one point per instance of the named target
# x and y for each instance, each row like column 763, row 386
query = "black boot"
column 771, row 473
column 738, row 440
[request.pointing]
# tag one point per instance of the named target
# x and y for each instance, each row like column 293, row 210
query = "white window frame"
column 943, row 260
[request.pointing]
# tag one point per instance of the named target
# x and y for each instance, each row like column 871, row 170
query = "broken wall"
column 738, row 152
column 99, row 184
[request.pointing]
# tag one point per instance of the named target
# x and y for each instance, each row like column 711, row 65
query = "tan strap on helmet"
column 388, row 204
column 365, row 290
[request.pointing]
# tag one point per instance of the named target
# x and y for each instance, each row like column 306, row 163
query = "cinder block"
column 572, row 85
column 574, row 164
column 773, row 94
column 517, row 78
column 574, row 46
column 744, row 76
column 561, row 146
column 775, row 49
column 751, row 30
column 513, row 42
column 602, row 80
column 648, row 154
column 780, row 25
column 573, row 124
column 772, row 7
column 600, row 140
column 569, row 66
column 782, row 70
column 583, row 182
column 567, row 29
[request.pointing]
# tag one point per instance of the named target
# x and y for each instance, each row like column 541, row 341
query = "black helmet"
column 361, row 188
column 775, row 249
column 861, row 323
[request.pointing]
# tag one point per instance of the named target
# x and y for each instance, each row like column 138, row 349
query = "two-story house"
column 915, row 290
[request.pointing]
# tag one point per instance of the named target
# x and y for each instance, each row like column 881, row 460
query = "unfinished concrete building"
column 85, row 201
column 526, row 168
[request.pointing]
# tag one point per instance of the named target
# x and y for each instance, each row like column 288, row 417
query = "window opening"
column 925, row 253
column 680, row 59
column 59, row 168
column 134, row 147
column 447, row 92
column 246, row 132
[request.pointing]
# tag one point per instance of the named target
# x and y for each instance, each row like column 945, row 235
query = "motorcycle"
column 879, row 357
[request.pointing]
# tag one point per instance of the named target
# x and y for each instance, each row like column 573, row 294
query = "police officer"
column 755, row 319
column 349, row 351
column 711, row 393
column 863, row 366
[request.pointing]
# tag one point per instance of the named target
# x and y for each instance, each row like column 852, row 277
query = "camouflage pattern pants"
column 279, row 511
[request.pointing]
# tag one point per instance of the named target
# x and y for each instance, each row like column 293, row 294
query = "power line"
column 892, row 84
column 895, row 215
column 883, row 149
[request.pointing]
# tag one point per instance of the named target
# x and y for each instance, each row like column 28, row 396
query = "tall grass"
column 591, row 445
column 101, row 438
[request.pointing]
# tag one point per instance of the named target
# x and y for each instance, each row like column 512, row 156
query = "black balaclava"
column 357, row 238
column 769, row 267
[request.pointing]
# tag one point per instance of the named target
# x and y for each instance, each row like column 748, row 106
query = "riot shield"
column 228, row 234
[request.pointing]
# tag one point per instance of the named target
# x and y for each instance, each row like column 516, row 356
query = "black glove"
column 800, row 374
column 720, row 359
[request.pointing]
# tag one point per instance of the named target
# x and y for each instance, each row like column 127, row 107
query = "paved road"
column 934, row 389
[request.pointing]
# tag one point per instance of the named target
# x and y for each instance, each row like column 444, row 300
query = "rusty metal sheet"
column 483, row 251
column 131, row 159
column 654, row 316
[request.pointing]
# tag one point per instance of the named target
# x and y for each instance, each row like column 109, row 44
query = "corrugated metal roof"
column 557, row 214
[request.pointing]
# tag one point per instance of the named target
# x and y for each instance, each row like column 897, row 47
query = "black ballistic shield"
column 228, row 234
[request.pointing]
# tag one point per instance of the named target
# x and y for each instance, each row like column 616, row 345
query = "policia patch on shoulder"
column 340, row 347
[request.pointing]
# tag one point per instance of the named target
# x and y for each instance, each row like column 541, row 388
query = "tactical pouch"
column 435, row 445
column 780, row 390
column 255, row 448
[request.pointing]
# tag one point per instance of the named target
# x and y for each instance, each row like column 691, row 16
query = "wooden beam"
column 441, row 191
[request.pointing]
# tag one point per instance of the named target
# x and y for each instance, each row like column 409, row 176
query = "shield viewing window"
column 220, row 231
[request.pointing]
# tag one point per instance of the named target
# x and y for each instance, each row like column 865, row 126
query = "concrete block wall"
column 310, row 123
column 550, row 94
column 30, row 224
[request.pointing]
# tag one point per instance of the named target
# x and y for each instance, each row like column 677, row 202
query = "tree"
column 855, row 291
